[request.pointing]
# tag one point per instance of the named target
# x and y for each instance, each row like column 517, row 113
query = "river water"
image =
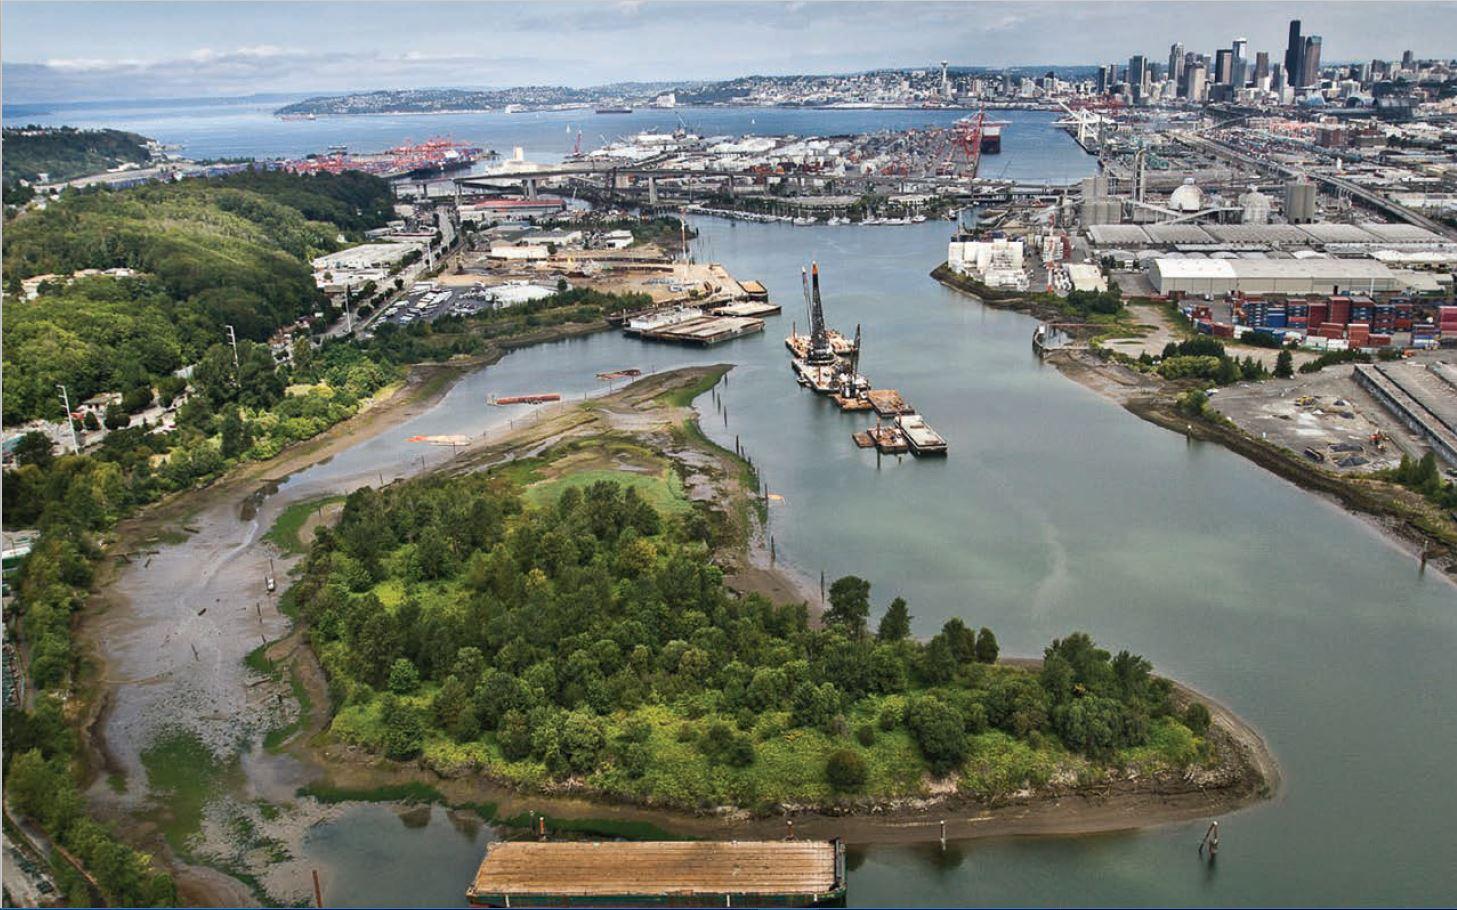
column 1055, row 511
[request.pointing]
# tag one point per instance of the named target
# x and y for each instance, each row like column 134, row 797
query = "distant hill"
column 416, row 101
column 62, row 153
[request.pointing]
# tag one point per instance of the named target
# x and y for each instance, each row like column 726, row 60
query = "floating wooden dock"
column 541, row 398
column 857, row 403
column 661, row 873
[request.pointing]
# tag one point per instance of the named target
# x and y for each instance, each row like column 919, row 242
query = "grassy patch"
column 257, row 660
column 662, row 490
column 180, row 766
column 408, row 792
column 285, row 531
column 684, row 396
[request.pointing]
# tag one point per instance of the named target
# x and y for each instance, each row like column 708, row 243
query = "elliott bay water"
column 1055, row 511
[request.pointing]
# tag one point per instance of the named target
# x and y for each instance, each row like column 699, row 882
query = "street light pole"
column 70, row 422
column 233, row 340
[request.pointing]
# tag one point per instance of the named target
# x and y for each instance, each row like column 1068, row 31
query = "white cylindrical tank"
column 1254, row 207
column 1186, row 198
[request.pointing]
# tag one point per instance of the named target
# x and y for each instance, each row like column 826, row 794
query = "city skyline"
column 207, row 50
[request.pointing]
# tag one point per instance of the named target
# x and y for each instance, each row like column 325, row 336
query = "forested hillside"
column 62, row 153
column 229, row 251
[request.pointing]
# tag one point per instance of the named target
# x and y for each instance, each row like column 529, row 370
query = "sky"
column 72, row 51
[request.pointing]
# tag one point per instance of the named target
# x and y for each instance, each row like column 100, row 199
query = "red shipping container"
column 1378, row 341
column 1318, row 312
column 1340, row 312
column 1223, row 331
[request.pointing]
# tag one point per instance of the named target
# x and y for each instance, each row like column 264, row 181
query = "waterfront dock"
column 661, row 873
column 889, row 440
column 747, row 308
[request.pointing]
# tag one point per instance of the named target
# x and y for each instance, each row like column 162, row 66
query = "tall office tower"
column 945, row 82
column 1310, row 62
column 1223, row 66
column 1239, row 64
column 1194, row 78
column 1277, row 79
column 1294, row 55
column 1408, row 60
column 1262, row 67
column 1176, row 63
column 1138, row 76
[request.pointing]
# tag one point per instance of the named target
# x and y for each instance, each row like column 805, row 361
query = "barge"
column 919, row 436
column 780, row 873
column 541, row 398
column 691, row 325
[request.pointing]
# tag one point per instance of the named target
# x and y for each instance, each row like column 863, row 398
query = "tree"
column 895, row 625
column 404, row 731
column 35, row 448
column 235, row 437
column 938, row 661
column 89, row 422
column 1284, row 365
column 514, row 735
column 453, row 712
column 404, row 677
column 1196, row 718
column 986, row 646
column 846, row 770
column 940, row 733
column 849, row 604
column 961, row 639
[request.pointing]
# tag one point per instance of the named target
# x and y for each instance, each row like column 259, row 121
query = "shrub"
column 1196, row 718
column 865, row 734
column 846, row 770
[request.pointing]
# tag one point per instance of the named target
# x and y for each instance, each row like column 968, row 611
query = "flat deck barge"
column 661, row 874
column 700, row 329
column 919, row 436
column 746, row 308
column 889, row 403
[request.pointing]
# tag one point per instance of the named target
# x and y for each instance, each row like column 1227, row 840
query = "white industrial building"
column 1270, row 276
column 995, row 263
column 368, row 256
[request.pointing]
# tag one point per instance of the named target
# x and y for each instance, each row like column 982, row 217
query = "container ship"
column 614, row 109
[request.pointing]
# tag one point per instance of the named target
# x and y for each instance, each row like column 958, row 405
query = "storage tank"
column 1254, row 207
column 1300, row 202
column 1187, row 198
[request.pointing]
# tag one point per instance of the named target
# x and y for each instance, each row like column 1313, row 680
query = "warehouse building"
column 1270, row 276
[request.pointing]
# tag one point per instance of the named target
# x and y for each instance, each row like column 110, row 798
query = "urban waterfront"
column 1056, row 511
column 248, row 128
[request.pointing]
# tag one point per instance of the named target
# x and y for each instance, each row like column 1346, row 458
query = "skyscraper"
column 1310, row 62
column 1194, row 79
column 1138, row 76
column 1294, row 55
column 1223, row 66
column 1262, row 67
column 1407, row 60
column 1176, row 63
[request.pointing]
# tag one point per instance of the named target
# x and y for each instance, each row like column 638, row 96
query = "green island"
column 568, row 623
